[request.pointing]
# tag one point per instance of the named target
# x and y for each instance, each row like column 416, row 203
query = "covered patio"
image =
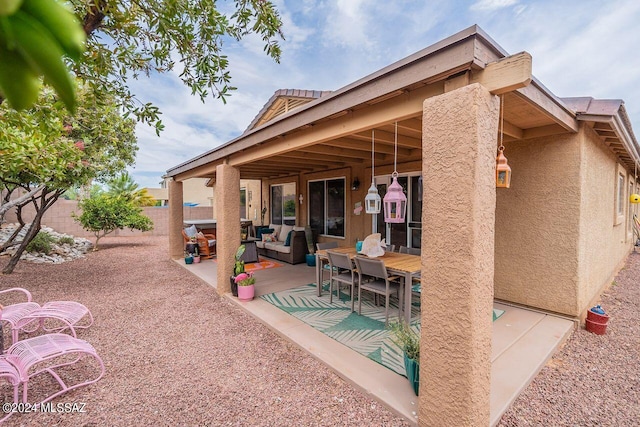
column 453, row 103
column 522, row 342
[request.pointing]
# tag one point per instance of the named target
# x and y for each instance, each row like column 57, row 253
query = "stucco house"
column 552, row 241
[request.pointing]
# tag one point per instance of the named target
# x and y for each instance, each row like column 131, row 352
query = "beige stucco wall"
column 556, row 243
column 603, row 244
column 537, row 224
column 194, row 190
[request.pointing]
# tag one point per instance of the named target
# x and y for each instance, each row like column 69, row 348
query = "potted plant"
column 246, row 286
column 409, row 342
column 196, row 255
column 188, row 258
column 238, row 268
column 310, row 257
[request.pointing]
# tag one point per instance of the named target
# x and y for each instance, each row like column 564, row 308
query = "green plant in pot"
column 246, row 288
column 238, row 268
column 409, row 341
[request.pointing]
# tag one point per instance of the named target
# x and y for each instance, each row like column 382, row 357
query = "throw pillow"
column 287, row 241
column 191, row 231
column 270, row 237
column 200, row 235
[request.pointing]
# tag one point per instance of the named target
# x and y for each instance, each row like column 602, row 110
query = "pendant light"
column 503, row 171
column 395, row 202
column 372, row 200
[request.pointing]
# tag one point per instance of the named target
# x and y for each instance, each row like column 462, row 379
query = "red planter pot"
column 596, row 327
column 598, row 318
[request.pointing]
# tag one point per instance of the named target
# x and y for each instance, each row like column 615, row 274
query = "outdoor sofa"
column 284, row 243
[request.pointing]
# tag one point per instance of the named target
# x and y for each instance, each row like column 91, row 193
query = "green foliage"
column 66, row 240
column 130, row 39
column 36, row 148
column 123, row 185
column 106, row 213
column 41, row 243
column 238, row 265
column 407, row 339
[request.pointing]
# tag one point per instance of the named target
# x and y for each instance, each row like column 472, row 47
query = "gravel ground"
column 594, row 380
column 177, row 354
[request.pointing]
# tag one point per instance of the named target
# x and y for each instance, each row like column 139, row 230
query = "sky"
column 579, row 48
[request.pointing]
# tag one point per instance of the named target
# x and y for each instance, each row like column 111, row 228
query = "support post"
column 459, row 143
column 176, row 219
column 227, row 223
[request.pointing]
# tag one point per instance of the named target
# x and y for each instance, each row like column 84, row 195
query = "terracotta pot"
column 596, row 317
column 246, row 293
column 596, row 327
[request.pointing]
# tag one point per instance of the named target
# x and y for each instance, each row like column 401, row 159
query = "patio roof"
column 334, row 129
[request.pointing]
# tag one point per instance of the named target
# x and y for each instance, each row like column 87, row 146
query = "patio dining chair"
column 53, row 316
column 325, row 263
column 45, row 354
column 410, row 251
column 341, row 273
column 378, row 283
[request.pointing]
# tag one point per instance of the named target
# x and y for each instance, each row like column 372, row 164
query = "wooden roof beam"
column 389, row 138
column 360, row 144
column 341, row 152
column 505, row 75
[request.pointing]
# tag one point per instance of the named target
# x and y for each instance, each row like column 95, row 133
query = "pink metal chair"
column 45, row 354
column 30, row 316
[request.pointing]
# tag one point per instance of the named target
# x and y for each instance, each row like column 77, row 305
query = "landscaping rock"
column 60, row 252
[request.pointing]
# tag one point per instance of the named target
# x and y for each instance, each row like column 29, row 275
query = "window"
column 620, row 209
column 630, row 207
column 283, row 204
column 327, row 206
column 243, row 203
column 620, row 189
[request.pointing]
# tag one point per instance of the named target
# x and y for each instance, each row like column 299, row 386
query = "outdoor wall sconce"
column 372, row 201
column 300, row 198
column 395, row 201
column 355, row 185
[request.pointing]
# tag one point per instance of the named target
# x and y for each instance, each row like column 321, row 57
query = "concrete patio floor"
column 523, row 341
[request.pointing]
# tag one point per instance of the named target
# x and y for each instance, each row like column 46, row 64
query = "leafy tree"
column 44, row 152
column 126, row 39
column 124, row 186
column 106, row 213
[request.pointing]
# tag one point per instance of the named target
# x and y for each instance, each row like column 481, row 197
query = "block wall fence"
column 59, row 218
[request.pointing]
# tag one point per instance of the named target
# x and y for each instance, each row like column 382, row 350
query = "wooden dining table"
column 405, row 265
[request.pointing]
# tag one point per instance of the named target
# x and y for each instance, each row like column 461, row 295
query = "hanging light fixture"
column 503, row 171
column 372, row 200
column 395, row 201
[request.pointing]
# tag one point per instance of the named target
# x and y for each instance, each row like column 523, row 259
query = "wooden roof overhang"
column 334, row 131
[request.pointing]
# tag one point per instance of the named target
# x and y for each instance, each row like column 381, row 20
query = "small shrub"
column 66, row 240
column 41, row 243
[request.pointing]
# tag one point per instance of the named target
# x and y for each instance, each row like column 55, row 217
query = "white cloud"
column 489, row 5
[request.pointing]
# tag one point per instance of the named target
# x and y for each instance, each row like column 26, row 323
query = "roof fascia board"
column 458, row 51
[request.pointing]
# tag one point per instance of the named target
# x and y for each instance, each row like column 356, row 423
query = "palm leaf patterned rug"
column 365, row 334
